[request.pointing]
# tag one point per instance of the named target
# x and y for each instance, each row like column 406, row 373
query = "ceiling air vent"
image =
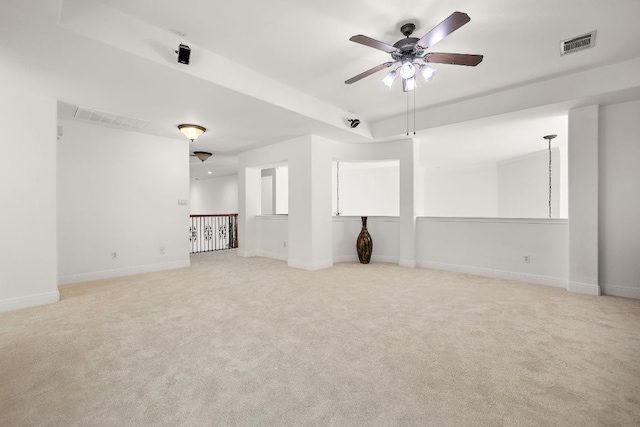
column 575, row 44
column 114, row 119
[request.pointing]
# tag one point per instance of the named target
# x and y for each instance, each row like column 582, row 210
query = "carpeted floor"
column 236, row 341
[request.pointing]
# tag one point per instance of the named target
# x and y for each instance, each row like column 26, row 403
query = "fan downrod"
column 407, row 29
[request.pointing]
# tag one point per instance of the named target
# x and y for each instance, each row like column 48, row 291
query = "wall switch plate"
column 114, row 255
column 285, row 243
column 527, row 259
column 162, row 251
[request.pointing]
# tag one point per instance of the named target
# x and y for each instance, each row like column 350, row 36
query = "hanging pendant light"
column 192, row 131
column 338, row 188
column 549, row 138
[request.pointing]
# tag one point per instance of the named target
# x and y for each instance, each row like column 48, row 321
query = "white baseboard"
column 374, row 258
column 584, row 288
column 621, row 291
column 384, row 258
column 407, row 263
column 10, row 304
column 345, row 258
column 498, row 274
column 246, row 254
column 120, row 272
column 311, row 266
column 274, row 255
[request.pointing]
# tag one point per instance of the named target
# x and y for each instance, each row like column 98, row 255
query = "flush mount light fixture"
column 191, row 131
column 202, row 155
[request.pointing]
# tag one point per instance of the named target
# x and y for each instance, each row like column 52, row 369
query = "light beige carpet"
column 235, row 341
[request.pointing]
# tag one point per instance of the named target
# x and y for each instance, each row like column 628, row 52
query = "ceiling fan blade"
column 443, row 29
column 453, row 58
column 369, row 72
column 368, row 41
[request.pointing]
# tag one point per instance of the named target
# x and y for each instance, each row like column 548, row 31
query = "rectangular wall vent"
column 576, row 44
column 114, row 119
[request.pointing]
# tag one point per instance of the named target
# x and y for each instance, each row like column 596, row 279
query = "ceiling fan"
column 412, row 54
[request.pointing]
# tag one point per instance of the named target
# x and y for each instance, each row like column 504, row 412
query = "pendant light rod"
column 338, row 188
column 549, row 138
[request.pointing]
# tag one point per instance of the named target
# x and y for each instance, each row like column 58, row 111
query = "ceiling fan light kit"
column 409, row 84
column 428, row 72
column 407, row 70
column 389, row 79
column 411, row 52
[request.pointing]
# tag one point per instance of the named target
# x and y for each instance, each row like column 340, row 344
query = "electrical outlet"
column 527, row 259
column 114, row 255
column 162, row 251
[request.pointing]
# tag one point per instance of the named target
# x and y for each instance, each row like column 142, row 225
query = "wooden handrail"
column 197, row 216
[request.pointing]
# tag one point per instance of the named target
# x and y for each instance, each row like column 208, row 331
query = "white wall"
column 496, row 248
column 619, row 235
column 523, row 186
column 367, row 188
column 583, row 200
column 217, row 195
column 28, row 257
column 272, row 236
column 460, row 192
column 118, row 191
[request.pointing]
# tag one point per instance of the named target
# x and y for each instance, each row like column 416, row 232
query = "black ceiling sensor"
column 354, row 123
column 184, row 52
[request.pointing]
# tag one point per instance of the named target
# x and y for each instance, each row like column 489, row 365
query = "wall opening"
column 366, row 188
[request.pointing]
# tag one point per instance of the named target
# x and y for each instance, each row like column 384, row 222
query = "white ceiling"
column 263, row 72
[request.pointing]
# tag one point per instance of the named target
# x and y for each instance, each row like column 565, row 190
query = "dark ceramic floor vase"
column 364, row 244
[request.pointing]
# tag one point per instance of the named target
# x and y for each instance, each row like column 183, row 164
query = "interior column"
column 583, row 200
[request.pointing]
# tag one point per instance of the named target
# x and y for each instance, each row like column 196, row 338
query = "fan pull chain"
column 414, row 112
column 407, row 113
